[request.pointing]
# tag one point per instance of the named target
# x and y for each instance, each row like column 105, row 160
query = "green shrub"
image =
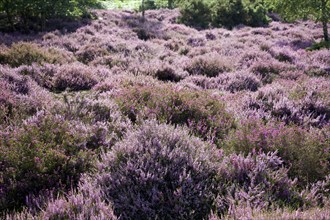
column 28, row 53
column 37, row 12
column 225, row 13
column 195, row 13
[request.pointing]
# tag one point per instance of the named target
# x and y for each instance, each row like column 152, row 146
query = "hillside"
column 131, row 118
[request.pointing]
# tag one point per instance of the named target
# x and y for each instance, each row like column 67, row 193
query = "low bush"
column 28, row 53
column 158, row 172
column 46, row 152
column 210, row 65
column 20, row 97
column 305, row 152
column 258, row 181
column 86, row 203
column 303, row 106
column 205, row 115
column 74, row 77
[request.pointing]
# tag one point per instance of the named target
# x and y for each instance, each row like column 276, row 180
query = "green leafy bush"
column 28, row 53
column 39, row 11
column 226, row 13
column 195, row 13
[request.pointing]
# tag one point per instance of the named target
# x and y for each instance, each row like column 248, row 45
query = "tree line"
column 199, row 13
column 37, row 12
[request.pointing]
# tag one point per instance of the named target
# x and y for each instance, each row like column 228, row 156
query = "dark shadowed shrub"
column 168, row 74
column 210, row 65
column 28, row 53
column 205, row 115
column 226, row 13
column 89, row 53
column 230, row 13
column 305, row 152
column 158, row 172
column 46, row 152
column 74, row 77
column 195, row 13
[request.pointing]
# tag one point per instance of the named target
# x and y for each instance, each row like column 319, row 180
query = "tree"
column 37, row 12
column 318, row 10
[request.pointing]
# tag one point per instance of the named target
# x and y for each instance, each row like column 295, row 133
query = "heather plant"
column 158, row 172
column 210, row 65
column 300, row 106
column 43, row 75
column 28, row 53
column 205, row 115
column 85, row 203
column 89, row 53
column 257, row 180
column 46, row 152
column 74, row 77
column 20, row 97
column 267, row 71
column 232, row 82
column 57, row 78
column 305, row 152
column 102, row 114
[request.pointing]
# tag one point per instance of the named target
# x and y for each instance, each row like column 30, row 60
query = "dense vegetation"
column 213, row 110
column 27, row 14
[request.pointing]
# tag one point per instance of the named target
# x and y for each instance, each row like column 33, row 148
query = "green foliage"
column 291, row 10
column 195, row 13
column 319, row 46
column 226, row 13
column 39, row 11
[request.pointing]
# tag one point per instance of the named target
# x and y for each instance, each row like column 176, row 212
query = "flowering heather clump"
column 210, row 65
column 232, row 82
column 86, row 203
column 20, row 97
column 293, row 102
column 46, row 152
column 305, row 151
column 89, row 53
column 158, row 172
column 74, row 77
column 202, row 113
column 257, row 180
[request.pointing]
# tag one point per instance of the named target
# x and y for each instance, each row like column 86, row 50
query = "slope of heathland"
column 132, row 118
